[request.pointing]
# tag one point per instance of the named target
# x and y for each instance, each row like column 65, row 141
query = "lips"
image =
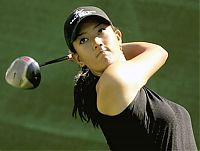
column 101, row 52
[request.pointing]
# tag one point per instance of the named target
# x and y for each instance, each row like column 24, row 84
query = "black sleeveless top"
column 150, row 122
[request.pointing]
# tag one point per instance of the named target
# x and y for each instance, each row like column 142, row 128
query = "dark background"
column 41, row 118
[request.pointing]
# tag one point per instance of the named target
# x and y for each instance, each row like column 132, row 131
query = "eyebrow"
column 85, row 32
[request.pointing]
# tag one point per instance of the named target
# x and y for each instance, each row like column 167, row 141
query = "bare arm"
column 148, row 56
column 132, row 49
column 121, row 81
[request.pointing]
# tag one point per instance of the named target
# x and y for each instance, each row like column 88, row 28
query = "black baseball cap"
column 76, row 17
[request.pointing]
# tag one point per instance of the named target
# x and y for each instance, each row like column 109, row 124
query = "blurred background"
column 40, row 119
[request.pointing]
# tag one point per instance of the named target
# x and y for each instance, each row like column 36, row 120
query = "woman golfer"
column 110, row 90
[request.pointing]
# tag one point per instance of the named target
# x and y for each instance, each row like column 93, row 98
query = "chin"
column 109, row 62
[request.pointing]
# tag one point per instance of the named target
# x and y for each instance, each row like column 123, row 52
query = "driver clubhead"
column 24, row 72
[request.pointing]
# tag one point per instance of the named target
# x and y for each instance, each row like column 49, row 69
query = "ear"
column 119, row 35
column 76, row 58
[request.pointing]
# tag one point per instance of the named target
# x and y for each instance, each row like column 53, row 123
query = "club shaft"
column 54, row 61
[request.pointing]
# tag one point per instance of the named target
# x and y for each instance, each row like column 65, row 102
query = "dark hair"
column 85, row 96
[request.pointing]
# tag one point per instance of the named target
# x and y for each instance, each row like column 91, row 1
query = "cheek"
column 112, row 40
column 84, row 55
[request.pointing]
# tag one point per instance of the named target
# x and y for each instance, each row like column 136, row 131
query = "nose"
column 97, row 42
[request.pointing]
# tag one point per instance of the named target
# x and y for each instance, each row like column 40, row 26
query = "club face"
column 24, row 72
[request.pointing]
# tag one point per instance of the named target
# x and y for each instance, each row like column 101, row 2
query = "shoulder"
column 116, row 89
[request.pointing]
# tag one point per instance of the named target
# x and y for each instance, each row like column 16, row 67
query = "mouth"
column 102, row 51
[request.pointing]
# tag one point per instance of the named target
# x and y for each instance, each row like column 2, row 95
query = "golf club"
column 55, row 60
column 24, row 72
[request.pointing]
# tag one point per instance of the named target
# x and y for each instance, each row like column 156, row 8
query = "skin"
column 97, row 46
column 123, row 67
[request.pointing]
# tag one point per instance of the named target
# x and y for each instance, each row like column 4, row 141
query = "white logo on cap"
column 81, row 13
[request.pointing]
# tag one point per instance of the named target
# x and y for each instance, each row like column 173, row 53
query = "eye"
column 101, row 30
column 83, row 40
